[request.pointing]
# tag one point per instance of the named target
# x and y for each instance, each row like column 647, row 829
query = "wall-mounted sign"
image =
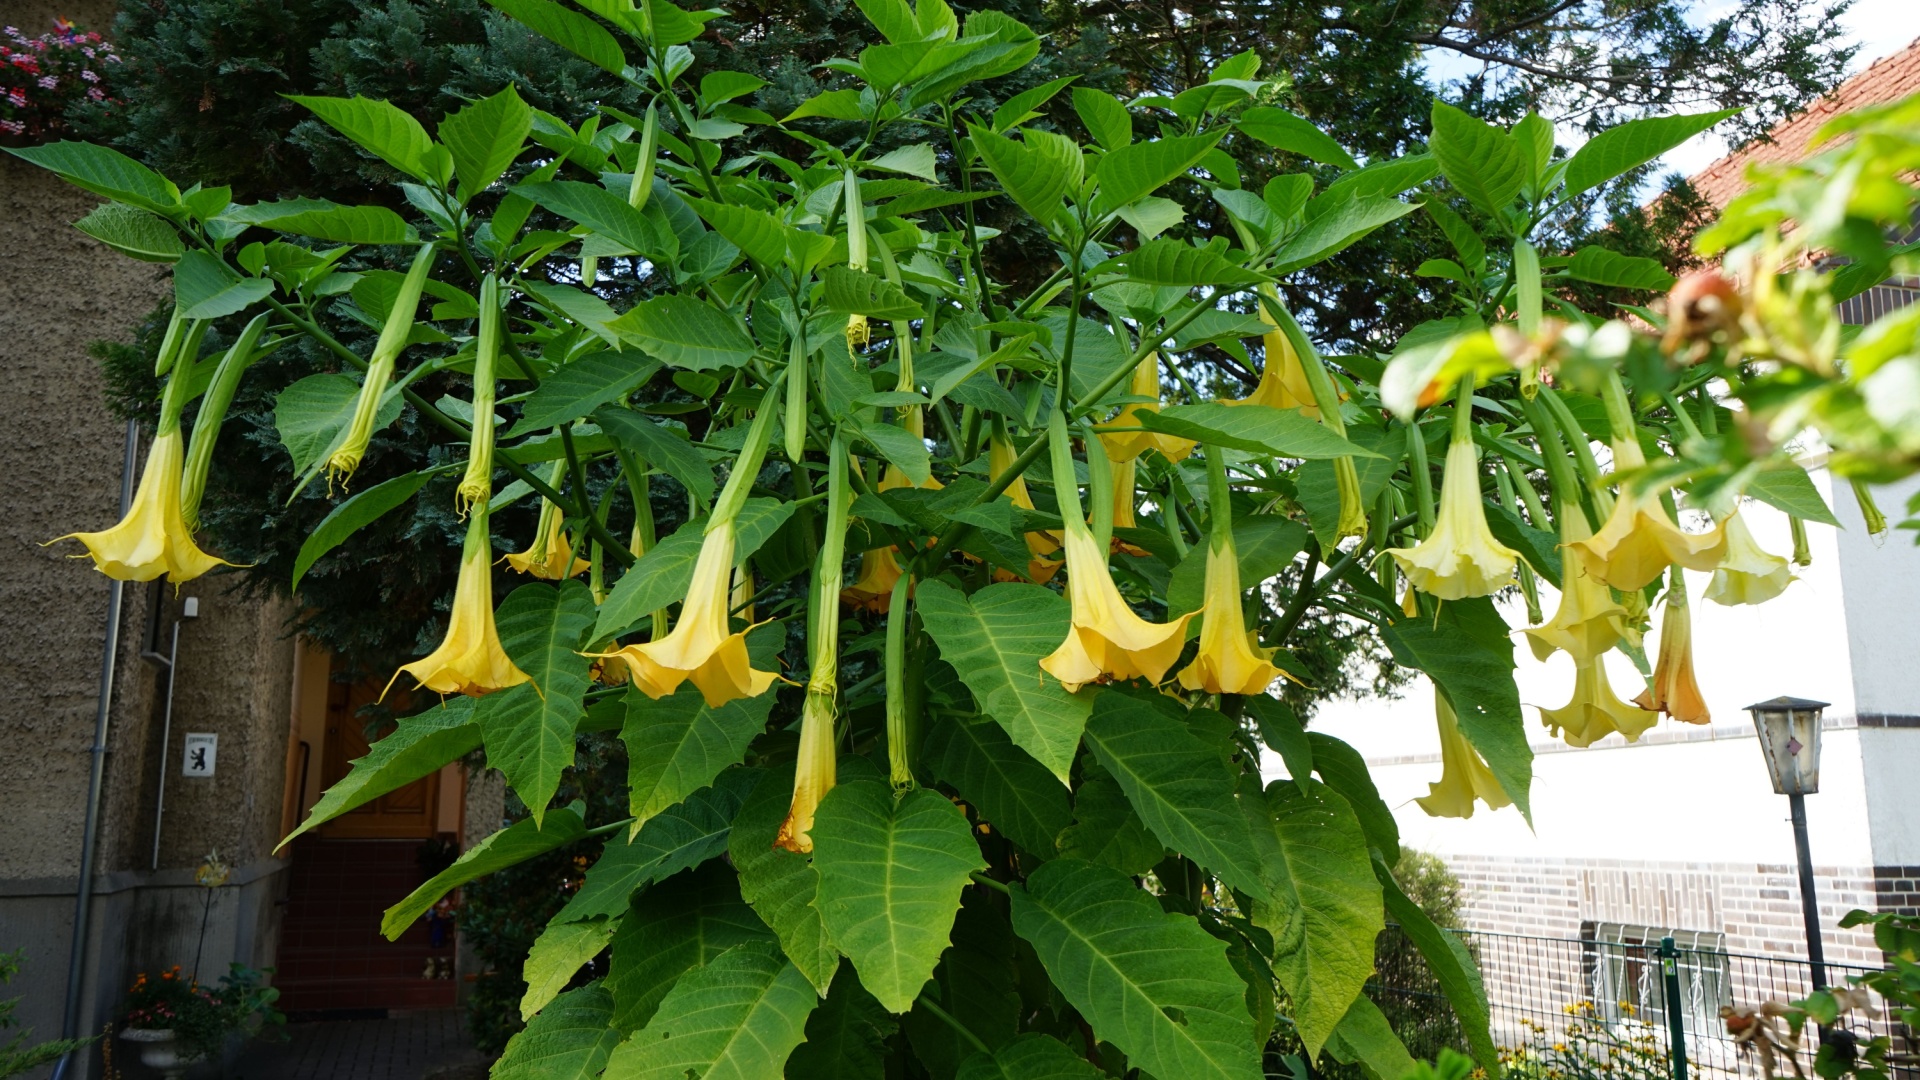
column 202, row 748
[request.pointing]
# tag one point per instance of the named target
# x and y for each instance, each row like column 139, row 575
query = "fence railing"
column 1538, row 986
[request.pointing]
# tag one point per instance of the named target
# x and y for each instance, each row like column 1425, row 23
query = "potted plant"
column 177, row 1022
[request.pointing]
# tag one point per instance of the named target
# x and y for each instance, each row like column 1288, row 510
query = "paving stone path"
column 428, row 1044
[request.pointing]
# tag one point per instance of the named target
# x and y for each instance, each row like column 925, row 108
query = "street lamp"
column 1789, row 730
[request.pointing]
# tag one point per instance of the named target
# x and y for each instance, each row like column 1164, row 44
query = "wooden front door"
column 405, row 813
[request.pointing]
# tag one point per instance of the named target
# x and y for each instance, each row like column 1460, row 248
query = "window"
column 1624, row 971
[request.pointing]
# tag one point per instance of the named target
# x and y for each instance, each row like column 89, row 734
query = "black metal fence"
column 1538, row 987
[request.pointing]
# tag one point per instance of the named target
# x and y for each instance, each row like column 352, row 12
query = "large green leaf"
column 664, row 448
column 558, row 954
column 780, row 884
column 1334, row 224
column 735, row 1019
column 891, row 871
column 132, row 232
column 1326, row 910
column 104, row 172
column 204, row 287
column 576, row 389
column 1033, row 178
column 1266, row 545
column 1150, row 982
column 859, row 293
column 569, row 1040
column 510, row 846
column 1257, row 429
column 686, row 332
column 1178, row 784
column 1134, row 172
column 1346, row 772
column 1029, row 1057
column 688, row 834
column 973, row 985
column 485, row 137
column 356, row 513
column 660, row 577
column 529, row 727
column 677, row 745
column 1789, row 489
column 418, row 745
column 1619, row 150
column 324, row 220
column 1482, row 162
column 1318, row 483
column 570, row 30
column 1105, row 829
column 846, row 1036
column 584, row 309
column 1105, row 117
column 1450, row 963
column 1171, row 262
column 755, row 232
column 683, row 924
column 1603, row 267
column 384, row 130
column 1465, row 650
column 1283, row 130
column 1363, row 1036
column 995, row 639
column 1011, row 790
column 313, row 413
column 607, row 214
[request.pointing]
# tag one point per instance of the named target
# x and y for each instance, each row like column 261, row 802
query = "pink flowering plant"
column 42, row 77
column 202, row 1017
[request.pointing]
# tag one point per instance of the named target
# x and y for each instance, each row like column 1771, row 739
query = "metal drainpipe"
column 90, row 837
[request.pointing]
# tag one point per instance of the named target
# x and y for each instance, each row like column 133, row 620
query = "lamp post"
column 1789, row 730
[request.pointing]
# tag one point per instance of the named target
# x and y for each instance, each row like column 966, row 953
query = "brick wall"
column 1897, row 888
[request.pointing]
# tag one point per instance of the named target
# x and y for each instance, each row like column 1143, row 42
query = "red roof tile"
column 1889, row 79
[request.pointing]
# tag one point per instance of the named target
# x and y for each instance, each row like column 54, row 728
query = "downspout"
column 90, row 836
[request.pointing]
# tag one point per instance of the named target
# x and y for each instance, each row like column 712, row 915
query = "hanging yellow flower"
column 874, row 584
column 1639, row 540
column 345, row 458
column 1040, row 544
column 1230, row 660
column 1460, row 558
column 1464, row 776
column 551, row 555
column 1124, row 446
column 816, row 770
column 1747, row 574
column 152, row 539
column 1106, row 638
column 1283, row 378
column 1589, row 621
column 469, row 660
column 1595, row 711
column 1673, row 690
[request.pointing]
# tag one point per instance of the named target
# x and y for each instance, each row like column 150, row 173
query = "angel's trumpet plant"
column 1124, row 446
column 1283, row 378
column 1106, row 638
column 880, row 567
column 1465, row 778
column 345, row 458
column 1748, row 573
column 699, row 647
column 1326, row 400
column 1041, row 545
column 477, row 483
column 1589, row 621
column 550, row 556
column 814, row 772
column 470, row 659
column 1672, row 690
column 152, row 538
column 213, row 413
column 1230, row 660
column 1460, row 558
column 1595, row 711
column 1640, row 539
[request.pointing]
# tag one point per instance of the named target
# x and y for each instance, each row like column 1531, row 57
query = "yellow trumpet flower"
column 1040, row 544
column 1230, row 660
column 1673, row 690
column 1639, row 540
column 1589, row 621
column 345, row 458
column 1106, row 638
column 1123, row 446
column 699, row 647
column 814, row 773
column 1595, row 711
column 152, row 539
column 1460, row 558
column 1464, row 776
column 871, row 589
column 551, row 555
column 1283, row 378
column 469, row 660
column 1747, row 574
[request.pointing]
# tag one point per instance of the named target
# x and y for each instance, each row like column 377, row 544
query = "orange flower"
column 1673, row 690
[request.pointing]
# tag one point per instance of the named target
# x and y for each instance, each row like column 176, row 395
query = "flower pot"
column 159, row 1050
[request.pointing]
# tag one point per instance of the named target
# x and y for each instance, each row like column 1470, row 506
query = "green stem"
column 946, row 1017
column 991, row 883
column 1422, row 476
column 899, row 768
